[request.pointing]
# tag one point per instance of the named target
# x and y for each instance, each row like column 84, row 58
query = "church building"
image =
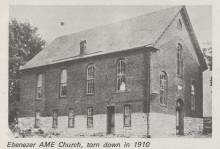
column 138, row 77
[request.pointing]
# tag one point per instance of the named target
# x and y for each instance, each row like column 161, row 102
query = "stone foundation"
column 193, row 125
column 138, row 125
column 162, row 125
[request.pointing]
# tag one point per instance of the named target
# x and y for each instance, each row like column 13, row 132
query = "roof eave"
column 194, row 39
column 148, row 46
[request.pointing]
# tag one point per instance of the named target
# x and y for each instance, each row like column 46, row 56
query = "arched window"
column 121, row 80
column 163, row 88
column 179, row 60
column 193, row 96
column 39, row 86
column 63, row 83
column 90, row 79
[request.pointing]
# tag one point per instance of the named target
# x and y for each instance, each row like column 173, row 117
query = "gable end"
column 193, row 38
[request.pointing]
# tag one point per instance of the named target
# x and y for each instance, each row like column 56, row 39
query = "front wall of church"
column 165, row 59
column 105, row 95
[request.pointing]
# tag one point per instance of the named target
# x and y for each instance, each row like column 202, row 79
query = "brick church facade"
column 137, row 77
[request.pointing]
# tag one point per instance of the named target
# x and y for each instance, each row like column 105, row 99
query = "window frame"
column 90, row 79
column 193, row 96
column 55, row 118
column 90, row 117
column 37, row 119
column 127, row 115
column 180, row 60
column 163, row 88
column 39, row 87
column 121, row 74
column 71, row 120
column 63, row 84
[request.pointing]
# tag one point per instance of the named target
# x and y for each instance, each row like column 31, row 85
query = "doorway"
column 179, row 117
column 110, row 120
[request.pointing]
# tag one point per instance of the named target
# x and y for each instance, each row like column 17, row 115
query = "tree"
column 24, row 44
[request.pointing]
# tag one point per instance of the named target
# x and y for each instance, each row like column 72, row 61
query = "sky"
column 76, row 18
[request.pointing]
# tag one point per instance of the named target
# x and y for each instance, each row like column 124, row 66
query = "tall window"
column 37, row 119
column 63, row 83
column 90, row 117
column 179, row 60
column 71, row 118
column 127, row 116
column 163, row 88
column 193, row 96
column 55, row 119
column 39, row 86
column 90, row 79
column 121, row 80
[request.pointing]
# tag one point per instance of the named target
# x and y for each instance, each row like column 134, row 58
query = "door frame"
column 179, row 117
column 110, row 113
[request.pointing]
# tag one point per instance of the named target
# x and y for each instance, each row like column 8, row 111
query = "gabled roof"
column 193, row 38
column 136, row 32
column 126, row 34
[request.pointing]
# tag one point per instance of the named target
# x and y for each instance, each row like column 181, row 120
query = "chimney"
column 82, row 47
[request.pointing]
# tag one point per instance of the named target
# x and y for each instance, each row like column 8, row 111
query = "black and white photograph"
column 110, row 71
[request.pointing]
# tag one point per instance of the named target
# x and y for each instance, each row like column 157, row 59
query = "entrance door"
column 179, row 117
column 110, row 120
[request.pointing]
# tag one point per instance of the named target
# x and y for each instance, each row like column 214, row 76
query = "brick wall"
column 165, row 59
column 105, row 86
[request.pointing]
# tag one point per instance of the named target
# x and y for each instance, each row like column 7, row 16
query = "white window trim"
column 163, row 88
column 39, row 85
column 121, row 75
column 90, row 79
column 63, row 83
